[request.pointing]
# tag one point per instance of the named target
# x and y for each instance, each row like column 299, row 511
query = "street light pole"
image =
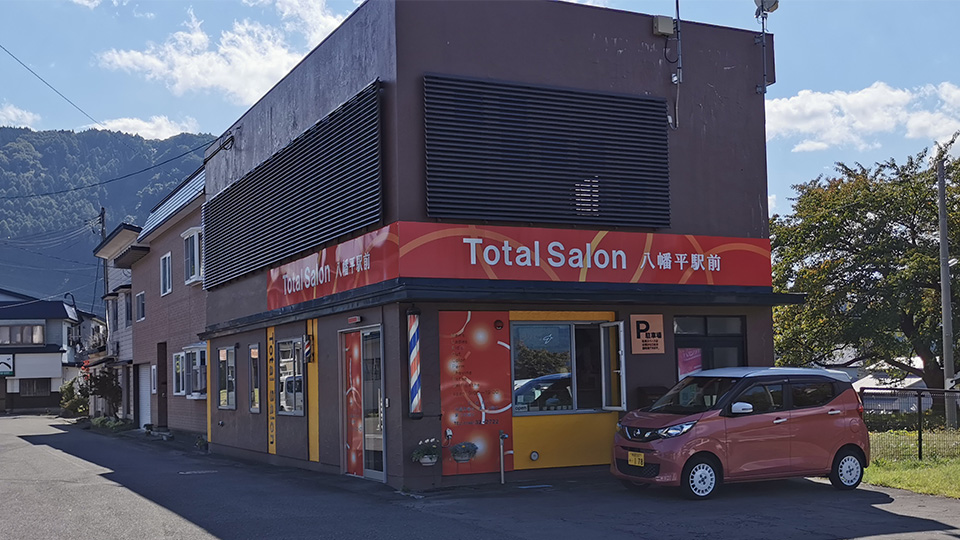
column 946, row 313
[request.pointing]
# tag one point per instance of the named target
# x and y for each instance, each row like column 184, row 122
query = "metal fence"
column 910, row 424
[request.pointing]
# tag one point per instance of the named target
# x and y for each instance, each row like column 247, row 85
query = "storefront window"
column 255, row 378
column 557, row 367
column 227, row 371
column 290, row 377
column 708, row 343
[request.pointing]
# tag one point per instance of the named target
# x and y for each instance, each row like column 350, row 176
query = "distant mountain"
column 52, row 185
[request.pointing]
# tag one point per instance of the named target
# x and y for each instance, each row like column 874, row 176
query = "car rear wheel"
column 847, row 471
column 701, row 477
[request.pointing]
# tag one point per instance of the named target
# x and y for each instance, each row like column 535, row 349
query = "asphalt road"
column 58, row 481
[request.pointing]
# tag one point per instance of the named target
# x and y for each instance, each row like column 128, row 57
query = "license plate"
column 635, row 459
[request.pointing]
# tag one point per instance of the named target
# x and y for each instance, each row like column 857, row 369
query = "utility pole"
column 103, row 236
column 946, row 311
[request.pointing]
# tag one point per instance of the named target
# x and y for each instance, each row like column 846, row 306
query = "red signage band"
column 432, row 250
column 534, row 254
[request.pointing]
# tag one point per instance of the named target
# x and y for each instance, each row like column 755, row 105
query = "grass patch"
column 931, row 476
column 901, row 445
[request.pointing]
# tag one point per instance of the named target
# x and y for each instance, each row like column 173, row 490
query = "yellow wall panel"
column 313, row 394
column 563, row 440
column 562, row 316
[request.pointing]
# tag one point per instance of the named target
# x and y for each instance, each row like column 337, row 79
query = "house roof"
column 37, row 309
column 16, row 295
column 132, row 254
column 184, row 194
column 27, row 349
column 124, row 235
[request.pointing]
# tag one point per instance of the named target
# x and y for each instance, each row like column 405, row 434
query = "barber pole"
column 413, row 333
column 307, row 349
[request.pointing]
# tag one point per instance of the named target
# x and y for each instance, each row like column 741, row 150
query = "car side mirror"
column 741, row 408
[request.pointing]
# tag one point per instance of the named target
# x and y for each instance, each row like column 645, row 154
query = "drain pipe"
column 502, row 437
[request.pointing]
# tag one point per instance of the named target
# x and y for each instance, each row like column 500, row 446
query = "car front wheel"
column 701, row 478
column 847, row 470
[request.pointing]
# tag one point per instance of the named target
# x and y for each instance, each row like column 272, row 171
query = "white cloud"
column 771, row 204
column 822, row 120
column 244, row 63
column 143, row 14
column 308, row 17
column 157, row 127
column 16, row 117
column 937, row 125
column 87, row 3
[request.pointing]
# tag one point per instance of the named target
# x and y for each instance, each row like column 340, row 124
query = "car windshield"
column 694, row 395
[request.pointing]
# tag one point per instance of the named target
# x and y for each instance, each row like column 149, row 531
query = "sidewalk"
column 173, row 440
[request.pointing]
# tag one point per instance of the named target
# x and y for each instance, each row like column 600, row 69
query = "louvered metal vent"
column 512, row 152
column 324, row 184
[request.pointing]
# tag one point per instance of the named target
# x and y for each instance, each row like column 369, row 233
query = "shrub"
column 74, row 397
column 112, row 424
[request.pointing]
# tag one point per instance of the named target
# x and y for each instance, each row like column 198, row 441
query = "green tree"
column 863, row 246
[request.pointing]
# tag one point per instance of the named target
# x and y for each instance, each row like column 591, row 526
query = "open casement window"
column 561, row 367
column 195, row 363
column 612, row 360
column 192, row 259
column 179, row 374
column 166, row 281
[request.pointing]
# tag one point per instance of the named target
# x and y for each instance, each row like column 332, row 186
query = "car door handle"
column 779, row 420
column 834, row 411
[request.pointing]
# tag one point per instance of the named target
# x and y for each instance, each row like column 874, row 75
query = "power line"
column 75, row 106
column 96, row 184
column 51, row 256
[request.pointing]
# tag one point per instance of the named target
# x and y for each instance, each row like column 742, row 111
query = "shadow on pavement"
column 232, row 499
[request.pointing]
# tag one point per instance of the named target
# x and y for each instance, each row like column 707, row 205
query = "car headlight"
column 675, row 431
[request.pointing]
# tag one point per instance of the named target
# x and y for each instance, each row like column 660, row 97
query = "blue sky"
column 857, row 80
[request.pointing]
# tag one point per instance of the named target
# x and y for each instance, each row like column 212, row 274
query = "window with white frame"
column 227, row 377
column 192, row 256
column 166, row 283
column 141, row 306
column 196, row 363
column 179, row 374
column 566, row 366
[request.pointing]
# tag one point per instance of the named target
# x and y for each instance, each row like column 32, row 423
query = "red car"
column 744, row 424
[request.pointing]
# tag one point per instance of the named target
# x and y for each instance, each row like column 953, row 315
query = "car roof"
column 757, row 371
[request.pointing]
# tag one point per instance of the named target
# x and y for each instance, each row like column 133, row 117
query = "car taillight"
column 859, row 405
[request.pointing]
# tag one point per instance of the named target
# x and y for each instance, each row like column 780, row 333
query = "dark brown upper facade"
column 583, row 89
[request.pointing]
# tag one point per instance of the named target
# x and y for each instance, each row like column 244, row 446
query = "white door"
column 143, row 393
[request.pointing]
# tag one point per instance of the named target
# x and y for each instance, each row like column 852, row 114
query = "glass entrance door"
column 372, row 404
column 363, row 403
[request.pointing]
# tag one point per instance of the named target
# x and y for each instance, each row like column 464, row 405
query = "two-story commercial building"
column 483, row 222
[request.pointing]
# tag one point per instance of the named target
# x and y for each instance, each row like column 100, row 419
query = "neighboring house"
column 36, row 353
column 878, row 375
column 445, row 198
column 167, row 285
column 117, row 250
